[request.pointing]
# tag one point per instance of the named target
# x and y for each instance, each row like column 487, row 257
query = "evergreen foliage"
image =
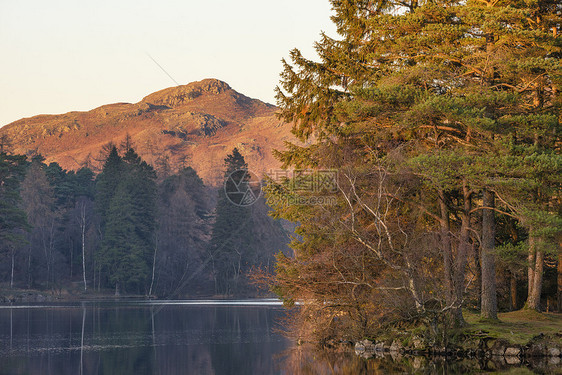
column 230, row 246
column 13, row 220
column 122, row 231
column 126, row 203
column 424, row 107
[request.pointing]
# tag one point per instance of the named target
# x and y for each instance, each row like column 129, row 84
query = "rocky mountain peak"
column 196, row 124
column 177, row 96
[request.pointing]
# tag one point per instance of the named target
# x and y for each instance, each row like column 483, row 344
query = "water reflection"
column 183, row 337
column 140, row 338
column 307, row 360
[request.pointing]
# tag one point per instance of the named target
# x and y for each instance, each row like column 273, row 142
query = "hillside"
column 195, row 124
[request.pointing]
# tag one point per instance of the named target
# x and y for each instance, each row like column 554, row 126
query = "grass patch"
column 517, row 327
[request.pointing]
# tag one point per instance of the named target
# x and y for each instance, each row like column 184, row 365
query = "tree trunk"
column 12, row 273
column 559, row 287
column 29, row 268
column 82, row 341
column 537, row 287
column 71, row 254
column 413, row 286
column 83, row 228
column 530, row 268
column 489, row 305
column 46, row 253
column 478, row 271
column 462, row 255
column 535, row 270
column 446, row 248
column 153, row 267
column 513, row 292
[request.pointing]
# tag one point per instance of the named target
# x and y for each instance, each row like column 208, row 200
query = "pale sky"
column 63, row 55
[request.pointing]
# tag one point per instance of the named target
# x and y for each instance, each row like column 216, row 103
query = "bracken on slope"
column 195, row 125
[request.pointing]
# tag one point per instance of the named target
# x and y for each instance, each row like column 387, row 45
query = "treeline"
column 128, row 229
column 442, row 122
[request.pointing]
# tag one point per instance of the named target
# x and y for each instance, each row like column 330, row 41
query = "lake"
column 190, row 337
column 143, row 337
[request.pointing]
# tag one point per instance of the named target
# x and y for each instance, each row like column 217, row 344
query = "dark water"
column 191, row 337
column 141, row 338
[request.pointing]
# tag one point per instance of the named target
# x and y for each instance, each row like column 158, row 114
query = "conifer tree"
column 230, row 246
column 12, row 217
column 106, row 183
column 13, row 220
column 452, row 101
column 126, row 203
column 124, row 253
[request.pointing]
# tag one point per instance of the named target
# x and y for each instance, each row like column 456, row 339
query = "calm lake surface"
column 145, row 337
column 191, row 337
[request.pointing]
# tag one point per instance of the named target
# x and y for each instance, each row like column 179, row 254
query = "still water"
column 145, row 337
column 192, row 337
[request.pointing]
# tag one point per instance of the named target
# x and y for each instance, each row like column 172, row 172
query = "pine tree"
column 106, row 183
column 126, row 203
column 230, row 246
column 450, row 101
column 124, row 252
column 12, row 217
column 13, row 220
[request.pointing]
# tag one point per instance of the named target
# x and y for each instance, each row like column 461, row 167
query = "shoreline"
column 518, row 338
column 10, row 296
column 540, row 346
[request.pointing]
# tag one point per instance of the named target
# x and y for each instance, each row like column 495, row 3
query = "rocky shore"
column 539, row 346
column 25, row 297
column 541, row 352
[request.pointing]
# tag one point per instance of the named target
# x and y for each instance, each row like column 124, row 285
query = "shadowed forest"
column 128, row 229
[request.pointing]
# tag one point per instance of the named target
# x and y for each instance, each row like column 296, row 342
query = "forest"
column 437, row 125
column 128, row 228
column 442, row 120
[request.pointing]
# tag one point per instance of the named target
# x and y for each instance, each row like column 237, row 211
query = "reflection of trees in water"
column 309, row 360
column 306, row 359
column 122, row 339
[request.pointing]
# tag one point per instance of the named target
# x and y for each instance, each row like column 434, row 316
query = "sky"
column 64, row 55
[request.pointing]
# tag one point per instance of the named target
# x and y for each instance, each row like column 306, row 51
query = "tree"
column 13, row 221
column 105, row 189
column 453, row 103
column 230, row 246
column 5, row 143
column 12, row 169
column 125, row 201
column 82, row 183
column 489, row 307
column 182, row 234
column 83, row 196
column 106, row 183
column 123, row 252
column 39, row 204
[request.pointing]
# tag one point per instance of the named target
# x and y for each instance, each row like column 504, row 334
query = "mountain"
column 195, row 125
